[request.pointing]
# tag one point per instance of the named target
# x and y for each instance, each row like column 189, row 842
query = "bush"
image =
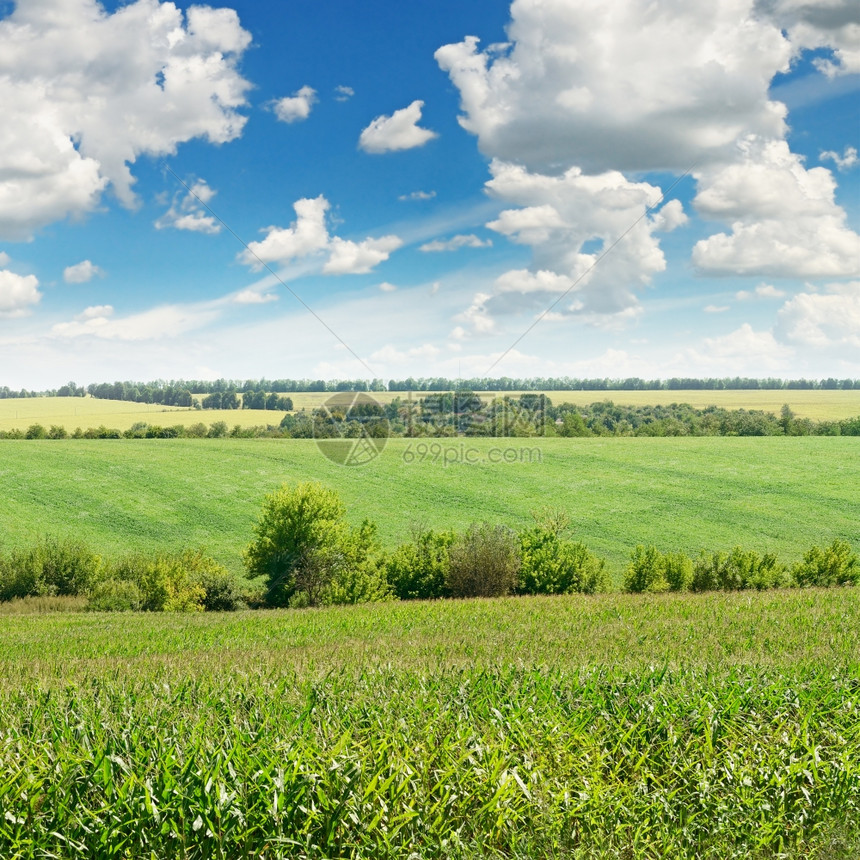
column 738, row 570
column 679, row 571
column 646, row 571
column 50, row 568
column 306, row 550
column 167, row 582
column 553, row 565
column 835, row 565
column 484, row 562
column 419, row 570
column 114, row 595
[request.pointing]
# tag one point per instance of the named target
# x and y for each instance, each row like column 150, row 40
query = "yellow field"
column 83, row 412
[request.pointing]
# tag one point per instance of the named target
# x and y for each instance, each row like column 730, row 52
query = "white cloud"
column 396, row 132
column 845, row 161
column 743, row 351
column 823, row 320
column 165, row 322
column 308, row 235
column 18, row 293
column 254, row 297
column 296, row 107
column 187, row 212
column 456, row 242
column 356, row 258
column 784, row 218
column 624, row 85
column 85, row 93
column 343, row 93
column 715, row 309
column 5, row 259
column 814, row 24
column 418, row 195
column 569, row 221
column 81, row 272
column 387, row 288
column 768, row 291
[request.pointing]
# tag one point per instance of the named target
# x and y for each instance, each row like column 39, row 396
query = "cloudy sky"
column 326, row 188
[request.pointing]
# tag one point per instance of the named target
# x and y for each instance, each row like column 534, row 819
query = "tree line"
column 180, row 392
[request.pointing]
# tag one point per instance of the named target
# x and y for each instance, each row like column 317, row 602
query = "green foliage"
column 678, row 571
column 646, row 571
column 418, row 570
column 484, row 562
column 114, row 595
column 51, row 567
column 835, row 565
column 309, row 555
column 737, row 571
column 553, row 565
column 169, row 582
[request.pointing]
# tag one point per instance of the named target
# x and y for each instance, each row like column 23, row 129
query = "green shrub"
column 646, row 571
column 167, row 582
column 418, row 570
column 835, row 565
column 738, row 570
column 114, row 595
column 50, row 568
column 679, row 571
column 308, row 553
column 553, row 565
column 484, row 562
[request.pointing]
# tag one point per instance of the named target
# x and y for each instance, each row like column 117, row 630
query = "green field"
column 777, row 494
column 709, row 727
column 84, row 412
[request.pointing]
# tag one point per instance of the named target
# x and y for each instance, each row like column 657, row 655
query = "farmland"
column 84, row 412
column 776, row 494
column 710, row 726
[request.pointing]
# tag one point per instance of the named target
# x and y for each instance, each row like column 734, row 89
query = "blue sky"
column 432, row 180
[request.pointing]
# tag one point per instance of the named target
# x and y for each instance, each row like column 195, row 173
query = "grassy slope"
column 779, row 494
column 72, row 412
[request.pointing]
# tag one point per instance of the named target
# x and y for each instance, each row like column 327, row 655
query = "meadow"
column 710, row 726
column 779, row 494
column 84, row 412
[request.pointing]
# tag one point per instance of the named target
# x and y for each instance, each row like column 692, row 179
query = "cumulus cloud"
column 85, row 93
column 387, row 288
column 822, row 320
column 812, row 24
column 569, row 221
column 342, row 93
column 456, row 242
column 18, row 293
column 664, row 85
column 254, row 297
column 5, row 259
column 784, row 218
column 308, row 235
column 81, row 272
column 716, row 309
column 846, row 161
column 396, row 132
column 742, row 351
column 296, row 107
column 187, row 212
column 357, row 258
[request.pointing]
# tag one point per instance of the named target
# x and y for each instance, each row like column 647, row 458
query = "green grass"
column 770, row 494
column 713, row 726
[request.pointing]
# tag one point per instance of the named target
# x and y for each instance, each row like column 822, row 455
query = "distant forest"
column 179, row 392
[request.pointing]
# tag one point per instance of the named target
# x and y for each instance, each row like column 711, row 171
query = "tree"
column 484, row 562
column 308, row 553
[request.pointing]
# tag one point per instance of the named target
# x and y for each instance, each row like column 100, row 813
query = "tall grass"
column 706, row 726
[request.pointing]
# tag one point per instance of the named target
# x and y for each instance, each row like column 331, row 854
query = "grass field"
column 771, row 493
column 715, row 726
column 83, row 412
